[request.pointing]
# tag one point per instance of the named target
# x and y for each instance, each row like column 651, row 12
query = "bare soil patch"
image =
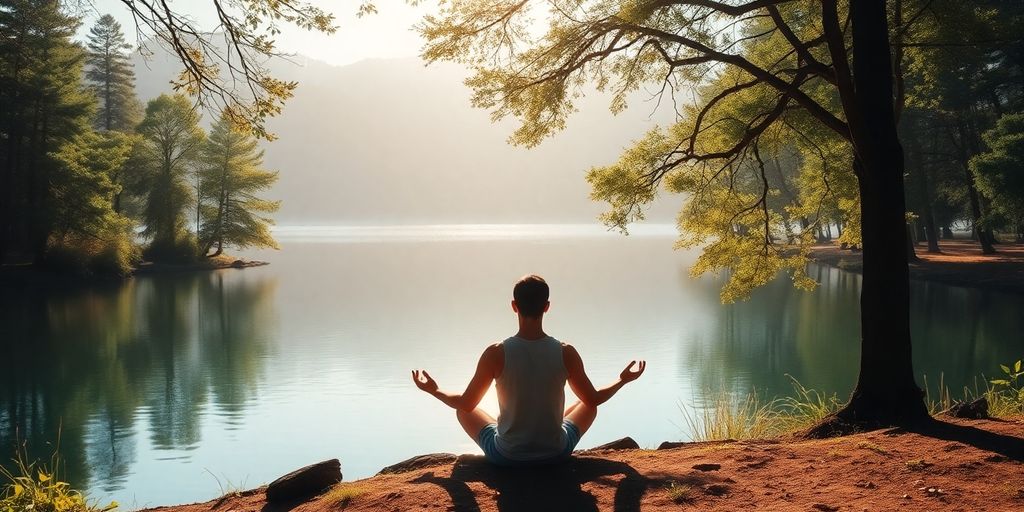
column 960, row 263
column 956, row 465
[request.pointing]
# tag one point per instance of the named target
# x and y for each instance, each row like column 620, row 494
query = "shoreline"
column 960, row 263
column 948, row 463
column 26, row 274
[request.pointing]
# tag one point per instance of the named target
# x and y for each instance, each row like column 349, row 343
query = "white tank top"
column 531, row 399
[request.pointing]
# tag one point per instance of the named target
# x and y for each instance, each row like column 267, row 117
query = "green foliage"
column 35, row 488
column 88, row 236
column 43, row 107
column 179, row 249
column 999, row 172
column 1007, row 394
column 230, row 176
column 111, row 76
column 168, row 154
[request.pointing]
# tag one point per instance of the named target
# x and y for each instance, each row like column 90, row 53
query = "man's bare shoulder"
column 494, row 349
column 569, row 350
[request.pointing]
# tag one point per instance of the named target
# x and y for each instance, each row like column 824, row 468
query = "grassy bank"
column 750, row 416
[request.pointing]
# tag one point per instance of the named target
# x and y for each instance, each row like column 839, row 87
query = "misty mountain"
column 391, row 141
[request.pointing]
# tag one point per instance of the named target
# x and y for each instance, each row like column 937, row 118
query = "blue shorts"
column 487, row 443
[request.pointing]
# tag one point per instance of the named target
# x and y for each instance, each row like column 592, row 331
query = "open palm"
column 629, row 375
column 424, row 381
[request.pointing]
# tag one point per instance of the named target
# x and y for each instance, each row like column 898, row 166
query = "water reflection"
column 958, row 334
column 87, row 365
column 249, row 374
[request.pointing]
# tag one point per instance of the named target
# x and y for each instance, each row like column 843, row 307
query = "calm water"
column 167, row 389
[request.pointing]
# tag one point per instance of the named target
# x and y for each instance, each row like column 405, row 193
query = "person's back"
column 531, row 399
column 530, row 370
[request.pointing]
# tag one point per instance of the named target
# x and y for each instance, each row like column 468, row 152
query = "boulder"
column 238, row 264
column 419, row 462
column 304, row 483
column 975, row 410
column 626, row 443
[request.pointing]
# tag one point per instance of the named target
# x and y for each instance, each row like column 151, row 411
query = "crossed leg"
column 579, row 413
column 473, row 421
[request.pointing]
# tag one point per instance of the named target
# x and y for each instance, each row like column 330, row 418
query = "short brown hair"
column 531, row 295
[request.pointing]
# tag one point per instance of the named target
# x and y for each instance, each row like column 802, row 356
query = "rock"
column 419, row 462
column 976, row 410
column 707, row 467
column 716, row 489
column 626, row 443
column 824, row 508
column 238, row 264
column 305, row 482
column 667, row 445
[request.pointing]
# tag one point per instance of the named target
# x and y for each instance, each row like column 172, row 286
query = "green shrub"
column 112, row 253
column 35, row 488
column 183, row 250
column 1006, row 396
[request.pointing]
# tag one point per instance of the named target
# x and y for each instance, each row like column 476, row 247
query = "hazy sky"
column 385, row 34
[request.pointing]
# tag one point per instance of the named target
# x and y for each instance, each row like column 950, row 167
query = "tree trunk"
column 911, row 249
column 886, row 392
column 972, row 191
column 930, row 232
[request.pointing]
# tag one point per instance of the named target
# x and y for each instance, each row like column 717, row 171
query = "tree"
column 808, row 65
column 112, row 76
column 89, row 236
column 230, row 176
column 172, row 140
column 999, row 172
column 42, row 107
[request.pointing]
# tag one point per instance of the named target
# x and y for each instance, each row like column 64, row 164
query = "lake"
column 175, row 388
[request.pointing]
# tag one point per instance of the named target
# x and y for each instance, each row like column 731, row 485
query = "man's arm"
column 580, row 382
column 486, row 370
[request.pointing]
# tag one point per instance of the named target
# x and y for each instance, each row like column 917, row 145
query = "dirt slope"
column 966, row 465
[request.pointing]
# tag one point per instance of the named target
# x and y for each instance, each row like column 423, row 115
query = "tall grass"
column 748, row 416
column 1005, row 396
column 34, row 487
column 732, row 416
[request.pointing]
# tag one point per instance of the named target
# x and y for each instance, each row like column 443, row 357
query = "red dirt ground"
column 955, row 465
column 960, row 263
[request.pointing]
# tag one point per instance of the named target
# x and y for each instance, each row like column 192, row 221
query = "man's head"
column 530, row 296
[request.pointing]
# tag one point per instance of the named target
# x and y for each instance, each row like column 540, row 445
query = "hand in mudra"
column 424, row 381
column 629, row 375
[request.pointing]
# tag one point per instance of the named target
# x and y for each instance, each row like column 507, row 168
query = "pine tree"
column 42, row 107
column 172, row 140
column 230, row 176
column 111, row 76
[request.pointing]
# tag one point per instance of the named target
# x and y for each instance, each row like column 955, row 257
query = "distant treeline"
column 91, row 181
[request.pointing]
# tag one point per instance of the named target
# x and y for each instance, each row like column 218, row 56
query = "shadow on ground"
column 1007, row 446
column 558, row 487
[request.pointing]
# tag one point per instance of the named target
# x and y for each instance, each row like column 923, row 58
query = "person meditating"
column 530, row 370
